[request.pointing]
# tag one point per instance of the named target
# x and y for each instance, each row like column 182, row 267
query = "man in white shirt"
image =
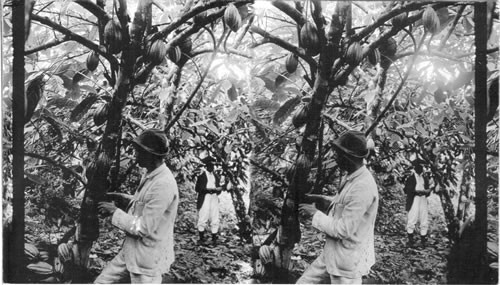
column 148, row 249
column 348, row 221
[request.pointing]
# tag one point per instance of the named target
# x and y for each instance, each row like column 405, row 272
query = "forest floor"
column 229, row 261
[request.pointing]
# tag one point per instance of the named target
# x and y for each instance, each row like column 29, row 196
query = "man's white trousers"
column 418, row 213
column 209, row 212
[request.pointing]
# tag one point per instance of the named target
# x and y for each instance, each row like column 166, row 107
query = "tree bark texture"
column 15, row 239
column 481, row 111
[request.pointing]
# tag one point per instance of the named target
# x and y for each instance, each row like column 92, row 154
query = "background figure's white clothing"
column 418, row 213
column 210, row 180
column 209, row 212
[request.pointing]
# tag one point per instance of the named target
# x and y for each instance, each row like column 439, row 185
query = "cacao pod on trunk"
column 175, row 54
column 92, row 61
column 374, row 56
column 232, row 17
column 156, row 51
column 430, row 20
column 300, row 117
column 101, row 114
column 113, row 36
column 388, row 48
column 292, row 62
column 354, row 54
column 309, row 38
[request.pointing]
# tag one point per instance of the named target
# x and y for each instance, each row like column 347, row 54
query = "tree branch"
column 275, row 175
column 77, row 38
column 286, row 45
column 452, row 28
column 196, row 10
column 55, row 163
column 93, row 9
column 403, row 81
column 195, row 90
column 290, row 11
column 48, row 45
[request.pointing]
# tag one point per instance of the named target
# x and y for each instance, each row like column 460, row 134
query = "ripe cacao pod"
column 232, row 17
column 64, row 252
column 34, row 92
column 430, row 20
column 44, row 255
column 156, row 51
column 113, row 36
column 175, row 54
column 354, row 54
column 374, row 56
column 31, row 252
column 265, row 254
column 41, row 268
column 58, row 265
column 101, row 114
column 388, row 48
column 291, row 63
column 399, row 20
column 300, row 117
column 309, row 38
column 92, row 61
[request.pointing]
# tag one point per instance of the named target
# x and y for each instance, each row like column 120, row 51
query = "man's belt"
column 212, row 191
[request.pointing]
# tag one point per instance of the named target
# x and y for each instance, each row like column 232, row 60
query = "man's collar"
column 356, row 173
column 156, row 171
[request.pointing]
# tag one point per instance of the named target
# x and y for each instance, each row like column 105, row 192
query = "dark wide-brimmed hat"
column 208, row 160
column 352, row 143
column 153, row 141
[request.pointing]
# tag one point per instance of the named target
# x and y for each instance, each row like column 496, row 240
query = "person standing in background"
column 417, row 188
column 208, row 189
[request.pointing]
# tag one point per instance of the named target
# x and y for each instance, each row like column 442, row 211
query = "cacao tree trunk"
column 88, row 224
column 15, row 237
column 480, row 266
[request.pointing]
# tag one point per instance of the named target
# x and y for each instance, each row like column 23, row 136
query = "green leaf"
column 266, row 104
column 285, row 110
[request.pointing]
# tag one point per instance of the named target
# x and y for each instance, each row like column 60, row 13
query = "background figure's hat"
column 208, row 160
column 352, row 143
column 153, row 141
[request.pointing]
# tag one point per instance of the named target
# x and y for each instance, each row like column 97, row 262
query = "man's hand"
column 307, row 211
column 107, row 208
column 322, row 202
